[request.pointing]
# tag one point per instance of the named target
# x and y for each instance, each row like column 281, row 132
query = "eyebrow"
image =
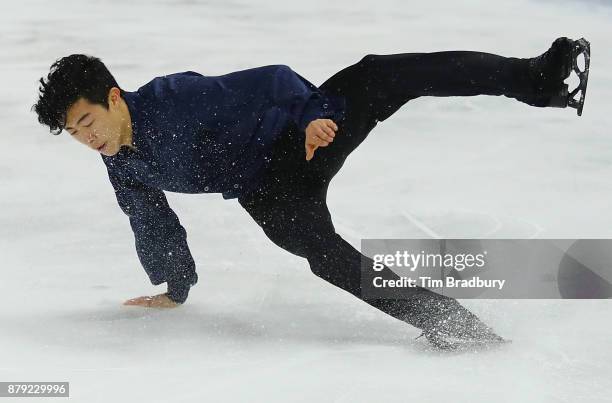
column 79, row 121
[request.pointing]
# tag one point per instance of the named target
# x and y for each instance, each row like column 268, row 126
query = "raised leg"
column 378, row 85
column 386, row 82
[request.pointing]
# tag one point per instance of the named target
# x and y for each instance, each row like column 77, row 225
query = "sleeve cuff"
column 178, row 291
column 325, row 107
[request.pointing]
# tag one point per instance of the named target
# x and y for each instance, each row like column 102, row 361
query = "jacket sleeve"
column 233, row 99
column 297, row 97
column 160, row 239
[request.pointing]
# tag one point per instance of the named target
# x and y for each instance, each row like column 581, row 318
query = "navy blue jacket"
column 202, row 134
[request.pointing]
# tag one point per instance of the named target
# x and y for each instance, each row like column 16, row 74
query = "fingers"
column 319, row 142
column 140, row 301
column 315, row 140
column 327, row 130
column 156, row 301
column 324, row 139
column 334, row 125
column 331, row 124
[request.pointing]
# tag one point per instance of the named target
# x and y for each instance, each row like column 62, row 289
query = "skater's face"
column 103, row 130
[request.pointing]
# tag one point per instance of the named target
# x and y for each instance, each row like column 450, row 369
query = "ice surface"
column 259, row 326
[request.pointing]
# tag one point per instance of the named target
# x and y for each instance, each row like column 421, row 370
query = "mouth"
column 101, row 147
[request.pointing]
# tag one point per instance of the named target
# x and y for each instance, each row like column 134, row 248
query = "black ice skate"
column 550, row 69
column 452, row 327
column 449, row 341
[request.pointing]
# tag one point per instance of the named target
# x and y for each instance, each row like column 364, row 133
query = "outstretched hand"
column 155, row 301
column 319, row 133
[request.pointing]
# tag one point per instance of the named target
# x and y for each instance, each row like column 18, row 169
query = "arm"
column 308, row 108
column 299, row 98
column 278, row 86
column 235, row 103
column 235, row 98
column 160, row 239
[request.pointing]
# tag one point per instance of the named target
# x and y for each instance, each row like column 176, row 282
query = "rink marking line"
column 537, row 227
column 497, row 225
column 348, row 231
column 497, row 222
column 420, row 225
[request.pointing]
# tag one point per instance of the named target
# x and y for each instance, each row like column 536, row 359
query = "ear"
column 114, row 95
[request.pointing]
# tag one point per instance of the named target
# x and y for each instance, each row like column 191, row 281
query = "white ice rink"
column 259, row 327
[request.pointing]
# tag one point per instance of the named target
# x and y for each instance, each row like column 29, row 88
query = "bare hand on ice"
column 155, row 301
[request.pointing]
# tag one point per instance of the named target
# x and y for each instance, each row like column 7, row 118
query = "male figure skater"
column 253, row 135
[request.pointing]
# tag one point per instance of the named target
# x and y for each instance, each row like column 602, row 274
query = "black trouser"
column 290, row 204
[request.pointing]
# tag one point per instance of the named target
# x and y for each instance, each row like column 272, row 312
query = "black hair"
column 71, row 78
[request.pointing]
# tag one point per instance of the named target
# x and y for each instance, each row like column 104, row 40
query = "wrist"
column 176, row 295
column 178, row 291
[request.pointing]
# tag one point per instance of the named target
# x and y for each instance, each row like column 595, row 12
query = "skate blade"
column 564, row 98
column 466, row 346
column 452, row 344
column 581, row 46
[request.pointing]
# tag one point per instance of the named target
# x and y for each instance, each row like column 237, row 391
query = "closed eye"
column 75, row 132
